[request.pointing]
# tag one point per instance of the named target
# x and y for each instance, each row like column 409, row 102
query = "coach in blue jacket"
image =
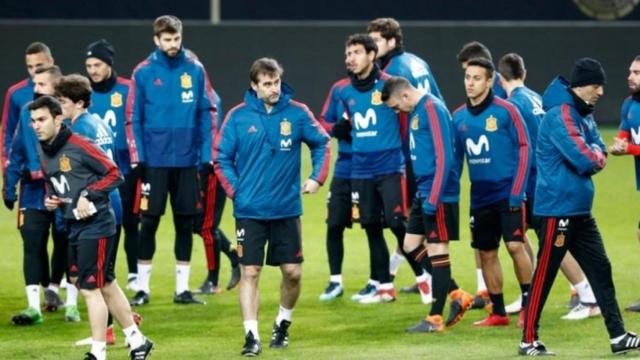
column 570, row 151
column 257, row 159
column 171, row 117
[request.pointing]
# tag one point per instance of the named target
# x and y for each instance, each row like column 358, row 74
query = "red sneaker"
column 493, row 320
column 111, row 336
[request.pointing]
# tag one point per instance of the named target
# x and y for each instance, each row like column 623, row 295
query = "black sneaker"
column 208, row 288
column 629, row 342
column 280, row 335
column 635, row 307
column 480, row 302
column 413, row 289
column 52, row 300
column 89, row 356
column 139, row 299
column 141, row 352
column 252, row 347
column 535, row 348
column 186, row 297
column 235, row 277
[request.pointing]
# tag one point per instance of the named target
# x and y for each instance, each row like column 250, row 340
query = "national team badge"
column 376, row 98
column 491, row 124
column 65, row 163
column 414, row 123
column 116, row 100
column 185, row 81
column 285, row 127
column 559, row 240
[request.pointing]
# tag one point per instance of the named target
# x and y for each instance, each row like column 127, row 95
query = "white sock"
column 99, row 349
column 144, row 276
column 422, row 278
column 134, row 336
column 33, row 296
column 617, row 339
column 54, row 288
column 394, row 262
column 336, row 279
column 131, row 276
column 386, row 286
column 375, row 283
column 585, row 292
column 283, row 314
column 72, row 295
column 251, row 325
column 481, row 286
column 182, row 278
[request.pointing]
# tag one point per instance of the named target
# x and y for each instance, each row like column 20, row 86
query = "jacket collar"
column 169, row 62
column 251, row 99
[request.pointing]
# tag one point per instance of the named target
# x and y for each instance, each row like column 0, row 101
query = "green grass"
column 339, row 330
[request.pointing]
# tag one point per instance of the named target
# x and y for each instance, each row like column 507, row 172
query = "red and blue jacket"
column 432, row 149
column 495, row 140
column 171, row 113
column 333, row 111
column 529, row 103
column 570, row 150
column 110, row 105
column 414, row 69
column 18, row 95
column 630, row 130
column 257, row 156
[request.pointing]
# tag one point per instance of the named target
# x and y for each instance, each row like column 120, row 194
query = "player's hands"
column 83, row 207
column 51, row 203
column 9, row 203
column 310, row 186
column 619, row 147
column 342, row 130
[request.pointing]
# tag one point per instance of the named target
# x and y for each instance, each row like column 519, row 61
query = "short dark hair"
column 266, row 66
column 38, row 47
column 48, row 102
column 484, row 63
column 389, row 28
column 167, row 23
column 393, row 85
column 474, row 49
column 75, row 87
column 511, row 67
column 364, row 40
column 53, row 70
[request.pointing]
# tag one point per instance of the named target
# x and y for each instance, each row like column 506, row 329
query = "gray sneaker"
column 52, row 300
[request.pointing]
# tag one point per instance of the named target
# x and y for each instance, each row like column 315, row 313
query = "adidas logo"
column 252, row 130
column 517, row 232
column 157, row 82
column 433, row 234
column 397, row 209
column 91, row 279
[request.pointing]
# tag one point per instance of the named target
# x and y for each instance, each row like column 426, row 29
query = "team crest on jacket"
column 415, row 123
column 559, row 240
column 185, row 81
column 285, row 127
column 65, row 163
column 376, row 98
column 116, row 100
column 491, row 123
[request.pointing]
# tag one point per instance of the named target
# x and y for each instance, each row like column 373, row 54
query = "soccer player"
column 494, row 137
column 171, row 118
column 34, row 221
column 257, row 159
column 395, row 61
column 529, row 103
column 570, row 151
column 628, row 140
column 476, row 49
column 435, row 211
column 79, row 178
column 109, row 93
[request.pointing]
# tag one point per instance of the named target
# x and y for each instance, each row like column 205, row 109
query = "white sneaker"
column 132, row 284
column 425, row 292
column 381, row 296
column 581, row 312
column 515, row 306
column 85, row 342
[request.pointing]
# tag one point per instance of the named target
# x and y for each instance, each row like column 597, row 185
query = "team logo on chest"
column 376, row 98
column 491, row 124
column 415, row 122
column 285, row 127
column 116, row 100
column 65, row 163
column 185, row 81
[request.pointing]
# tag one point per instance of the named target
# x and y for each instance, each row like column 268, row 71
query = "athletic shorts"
column 339, row 203
column 181, row 183
column 283, row 235
column 213, row 198
column 492, row 222
column 443, row 226
column 91, row 261
column 380, row 200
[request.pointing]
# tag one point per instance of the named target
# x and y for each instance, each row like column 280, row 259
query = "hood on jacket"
column 251, row 99
column 557, row 93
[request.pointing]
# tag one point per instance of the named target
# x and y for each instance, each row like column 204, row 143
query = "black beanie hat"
column 587, row 71
column 102, row 50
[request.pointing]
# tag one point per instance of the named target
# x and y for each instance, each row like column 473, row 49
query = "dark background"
column 312, row 55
